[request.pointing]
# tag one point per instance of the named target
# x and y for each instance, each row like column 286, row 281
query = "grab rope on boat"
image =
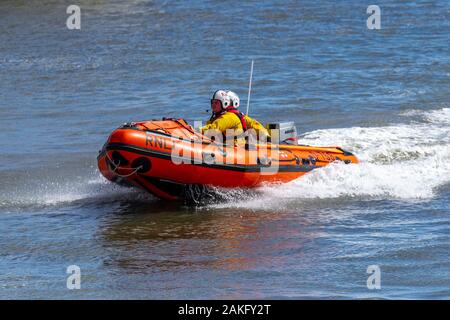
column 117, row 166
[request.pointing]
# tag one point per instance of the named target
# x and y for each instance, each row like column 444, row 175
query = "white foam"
column 56, row 193
column 401, row 161
column 441, row 116
column 53, row 192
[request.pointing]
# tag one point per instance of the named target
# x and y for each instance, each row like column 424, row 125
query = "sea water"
column 381, row 94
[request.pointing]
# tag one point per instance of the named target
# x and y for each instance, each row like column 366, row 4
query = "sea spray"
column 400, row 161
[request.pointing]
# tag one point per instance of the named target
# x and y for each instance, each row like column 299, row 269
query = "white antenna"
column 249, row 88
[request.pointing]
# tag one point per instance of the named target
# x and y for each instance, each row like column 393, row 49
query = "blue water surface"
column 382, row 94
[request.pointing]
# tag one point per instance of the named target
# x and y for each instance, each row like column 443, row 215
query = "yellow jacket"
column 230, row 121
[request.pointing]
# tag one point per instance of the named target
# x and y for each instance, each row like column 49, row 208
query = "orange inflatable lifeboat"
column 169, row 159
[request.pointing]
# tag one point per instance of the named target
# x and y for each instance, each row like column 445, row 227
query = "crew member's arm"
column 258, row 127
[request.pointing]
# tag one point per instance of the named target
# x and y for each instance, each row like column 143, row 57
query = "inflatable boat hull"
column 170, row 160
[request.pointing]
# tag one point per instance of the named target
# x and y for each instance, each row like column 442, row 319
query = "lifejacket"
column 239, row 114
column 241, row 117
column 235, row 111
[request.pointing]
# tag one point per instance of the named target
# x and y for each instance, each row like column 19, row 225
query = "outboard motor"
column 283, row 132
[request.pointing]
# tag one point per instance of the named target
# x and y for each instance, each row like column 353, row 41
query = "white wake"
column 400, row 161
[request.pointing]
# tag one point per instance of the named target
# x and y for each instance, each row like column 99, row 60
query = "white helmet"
column 235, row 102
column 223, row 97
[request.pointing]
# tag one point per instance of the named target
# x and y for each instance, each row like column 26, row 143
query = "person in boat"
column 226, row 116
